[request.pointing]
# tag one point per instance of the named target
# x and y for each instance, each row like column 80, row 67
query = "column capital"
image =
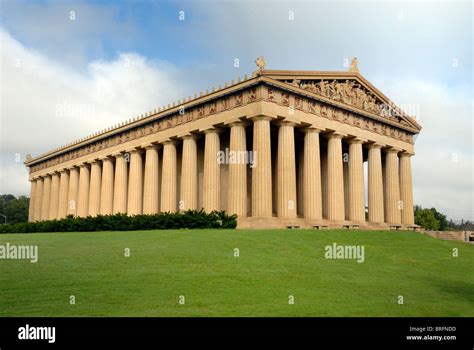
column 285, row 122
column 188, row 137
column 392, row 150
column 375, row 145
column 107, row 157
column 92, row 161
column 262, row 117
column 117, row 155
column 149, row 145
column 82, row 165
column 310, row 129
column 356, row 140
column 168, row 142
column 211, row 130
column 239, row 122
column 335, row 135
column 405, row 153
column 133, row 150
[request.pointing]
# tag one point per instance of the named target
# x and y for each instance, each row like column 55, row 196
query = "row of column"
column 108, row 185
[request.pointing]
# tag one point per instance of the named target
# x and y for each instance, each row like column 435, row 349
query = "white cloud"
column 46, row 104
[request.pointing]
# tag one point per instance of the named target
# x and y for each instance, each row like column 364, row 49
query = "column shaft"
column 39, row 198
column 107, row 187
column 73, row 191
column 188, row 196
column 376, row 206
column 392, row 188
column 406, row 189
column 54, row 201
column 312, row 194
column 94, row 190
column 168, row 178
column 335, row 179
column 63, row 193
column 286, row 167
column 83, row 193
column 31, row 209
column 46, row 198
column 212, row 172
column 120, row 184
column 150, row 191
column 356, row 182
column 135, row 184
column 262, row 171
column 237, row 190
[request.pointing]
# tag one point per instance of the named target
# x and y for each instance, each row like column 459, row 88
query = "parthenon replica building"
column 280, row 148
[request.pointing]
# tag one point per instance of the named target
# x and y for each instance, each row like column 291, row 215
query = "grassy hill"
column 200, row 265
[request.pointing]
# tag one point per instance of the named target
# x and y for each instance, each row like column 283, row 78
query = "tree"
column 426, row 219
column 443, row 223
column 13, row 210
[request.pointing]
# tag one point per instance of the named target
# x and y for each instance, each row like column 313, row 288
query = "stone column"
column 188, row 196
column 335, row 178
column 324, row 181
column 63, row 193
column 135, row 183
column 168, row 178
column 212, row 172
column 262, row 171
column 237, row 190
column 107, row 187
column 31, row 210
column 356, row 181
column 376, row 206
column 83, row 193
column 312, row 194
column 46, row 198
column 286, row 165
column 73, row 191
column 120, row 184
column 406, row 189
column 54, row 201
column 392, row 188
column 38, row 199
column 150, row 186
column 94, row 190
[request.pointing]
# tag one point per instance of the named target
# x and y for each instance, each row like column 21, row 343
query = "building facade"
column 281, row 148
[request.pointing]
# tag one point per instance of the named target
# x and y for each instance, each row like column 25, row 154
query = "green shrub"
column 122, row 222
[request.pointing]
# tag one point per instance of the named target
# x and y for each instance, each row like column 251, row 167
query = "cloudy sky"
column 71, row 68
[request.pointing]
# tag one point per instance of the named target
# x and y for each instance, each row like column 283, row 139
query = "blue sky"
column 122, row 58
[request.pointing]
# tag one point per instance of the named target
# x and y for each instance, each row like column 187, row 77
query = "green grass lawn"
column 200, row 265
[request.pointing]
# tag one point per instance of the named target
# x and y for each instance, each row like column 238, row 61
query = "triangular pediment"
column 347, row 88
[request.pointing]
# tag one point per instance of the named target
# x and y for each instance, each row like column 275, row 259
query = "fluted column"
column 356, row 181
column 168, row 178
column 312, row 194
column 376, row 205
column 286, row 167
column 94, row 190
column 38, row 199
column 392, row 188
column 107, row 187
column 212, row 172
column 135, row 183
column 54, row 201
column 63, row 193
column 150, row 186
column 73, row 191
column 188, row 196
column 262, row 171
column 335, row 180
column 406, row 189
column 46, row 198
column 31, row 209
column 237, row 189
column 83, row 193
column 120, row 184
